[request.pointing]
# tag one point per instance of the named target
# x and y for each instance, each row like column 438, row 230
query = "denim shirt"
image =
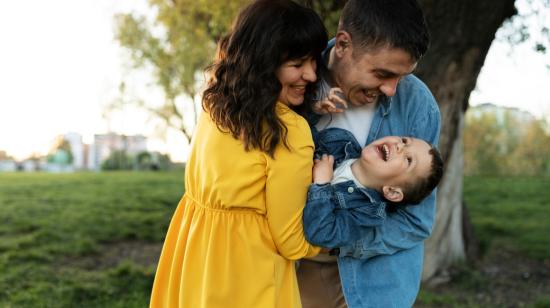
column 384, row 267
column 336, row 214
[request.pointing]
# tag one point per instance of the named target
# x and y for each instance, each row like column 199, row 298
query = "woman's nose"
column 309, row 71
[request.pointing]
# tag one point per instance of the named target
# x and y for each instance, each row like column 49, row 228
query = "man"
column 371, row 59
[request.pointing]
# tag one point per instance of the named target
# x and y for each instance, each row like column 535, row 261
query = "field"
column 82, row 240
column 93, row 239
column 511, row 219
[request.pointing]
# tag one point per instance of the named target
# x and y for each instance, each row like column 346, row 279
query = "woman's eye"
column 409, row 160
column 404, row 140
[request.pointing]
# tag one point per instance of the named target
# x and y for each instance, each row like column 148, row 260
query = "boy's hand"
column 322, row 170
column 334, row 103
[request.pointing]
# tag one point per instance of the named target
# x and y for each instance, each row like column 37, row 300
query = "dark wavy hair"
column 243, row 88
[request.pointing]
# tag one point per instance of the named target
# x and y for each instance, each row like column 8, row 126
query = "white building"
column 106, row 144
column 77, row 149
column 8, row 165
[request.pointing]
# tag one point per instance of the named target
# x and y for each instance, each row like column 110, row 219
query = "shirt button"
column 350, row 189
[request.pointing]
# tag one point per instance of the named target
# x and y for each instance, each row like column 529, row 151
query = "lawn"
column 77, row 240
column 93, row 239
column 511, row 219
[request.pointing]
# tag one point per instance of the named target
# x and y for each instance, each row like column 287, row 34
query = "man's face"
column 364, row 75
column 396, row 161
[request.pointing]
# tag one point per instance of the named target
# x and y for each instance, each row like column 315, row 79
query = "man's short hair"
column 386, row 23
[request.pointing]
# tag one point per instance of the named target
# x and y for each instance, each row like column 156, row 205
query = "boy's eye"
column 404, row 140
column 409, row 160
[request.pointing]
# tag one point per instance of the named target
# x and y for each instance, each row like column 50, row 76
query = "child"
column 390, row 171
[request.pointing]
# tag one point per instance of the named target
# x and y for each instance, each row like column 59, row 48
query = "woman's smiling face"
column 294, row 76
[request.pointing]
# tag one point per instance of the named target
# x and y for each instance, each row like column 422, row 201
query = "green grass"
column 53, row 227
column 49, row 221
column 511, row 212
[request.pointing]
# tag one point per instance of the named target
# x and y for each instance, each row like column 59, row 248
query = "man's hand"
column 334, row 103
column 322, row 170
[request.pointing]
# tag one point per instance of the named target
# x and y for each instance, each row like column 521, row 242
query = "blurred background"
column 98, row 101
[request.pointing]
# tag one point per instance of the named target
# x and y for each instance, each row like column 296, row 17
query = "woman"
column 238, row 227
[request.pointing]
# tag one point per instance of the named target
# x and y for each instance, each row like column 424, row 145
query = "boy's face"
column 396, row 161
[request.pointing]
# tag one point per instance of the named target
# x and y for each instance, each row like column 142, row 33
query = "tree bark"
column 462, row 32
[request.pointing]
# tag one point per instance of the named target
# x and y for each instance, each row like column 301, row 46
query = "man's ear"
column 343, row 43
column 393, row 193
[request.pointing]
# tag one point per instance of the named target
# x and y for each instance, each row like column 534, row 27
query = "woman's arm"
column 288, row 179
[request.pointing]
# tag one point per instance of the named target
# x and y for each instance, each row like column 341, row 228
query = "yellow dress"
column 238, row 228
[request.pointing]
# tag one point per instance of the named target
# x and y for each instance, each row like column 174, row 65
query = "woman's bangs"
column 306, row 38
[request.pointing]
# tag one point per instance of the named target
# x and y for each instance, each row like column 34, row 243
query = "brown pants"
column 320, row 285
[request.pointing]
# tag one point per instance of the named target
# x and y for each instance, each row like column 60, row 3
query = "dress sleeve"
column 288, row 179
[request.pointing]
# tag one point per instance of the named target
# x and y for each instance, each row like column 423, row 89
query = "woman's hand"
column 322, row 170
column 334, row 103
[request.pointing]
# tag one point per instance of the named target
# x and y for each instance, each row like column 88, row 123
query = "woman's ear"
column 393, row 193
column 343, row 43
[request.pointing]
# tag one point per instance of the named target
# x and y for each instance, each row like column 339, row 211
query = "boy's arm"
column 328, row 223
column 328, row 220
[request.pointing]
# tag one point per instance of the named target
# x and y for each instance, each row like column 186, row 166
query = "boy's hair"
column 386, row 23
column 416, row 190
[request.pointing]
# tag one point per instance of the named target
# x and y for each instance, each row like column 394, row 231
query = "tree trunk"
column 462, row 32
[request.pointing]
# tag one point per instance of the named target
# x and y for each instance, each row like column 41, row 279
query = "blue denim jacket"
column 390, row 272
column 336, row 214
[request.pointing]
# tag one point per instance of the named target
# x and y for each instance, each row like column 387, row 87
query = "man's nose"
column 389, row 86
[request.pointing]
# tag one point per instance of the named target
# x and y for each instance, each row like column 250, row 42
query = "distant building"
column 77, row 149
column 104, row 145
column 8, row 165
column 74, row 155
column 29, row 165
column 504, row 115
column 501, row 113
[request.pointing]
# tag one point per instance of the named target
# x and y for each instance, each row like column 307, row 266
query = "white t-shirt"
column 343, row 173
column 356, row 119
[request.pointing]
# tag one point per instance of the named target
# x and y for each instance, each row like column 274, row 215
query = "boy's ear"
column 393, row 193
column 343, row 43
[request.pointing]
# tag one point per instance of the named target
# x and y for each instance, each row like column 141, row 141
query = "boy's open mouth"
column 384, row 150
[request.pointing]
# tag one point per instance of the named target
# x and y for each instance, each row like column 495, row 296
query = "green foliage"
column 144, row 161
column 181, row 41
column 542, row 302
column 61, row 152
column 152, row 161
column 118, row 160
column 498, row 143
column 50, row 223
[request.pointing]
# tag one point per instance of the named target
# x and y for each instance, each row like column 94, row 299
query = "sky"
column 60, row 66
